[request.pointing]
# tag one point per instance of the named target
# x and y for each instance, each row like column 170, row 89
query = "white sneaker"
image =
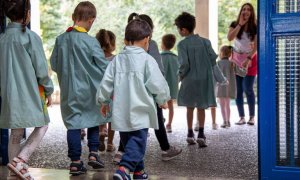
column 190, row 140
column 171, row 153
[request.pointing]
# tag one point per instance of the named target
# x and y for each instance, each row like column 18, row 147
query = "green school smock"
column 137, row 85
column 197, row 59
column 79, row 62
column 23, row 67
column 171, row 66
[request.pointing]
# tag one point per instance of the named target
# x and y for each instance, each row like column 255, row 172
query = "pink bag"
column 238, row 58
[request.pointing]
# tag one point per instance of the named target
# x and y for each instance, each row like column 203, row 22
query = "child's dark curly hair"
column 186, row 20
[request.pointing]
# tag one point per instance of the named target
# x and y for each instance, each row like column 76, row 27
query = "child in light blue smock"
column 134, row 79
column 79, row 62
column 25, row 86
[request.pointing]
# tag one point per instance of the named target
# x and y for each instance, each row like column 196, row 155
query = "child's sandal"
column 80, row 169
column 18, row 167
column 97, row 163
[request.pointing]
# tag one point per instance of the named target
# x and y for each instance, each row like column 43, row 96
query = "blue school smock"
column 229, row 70
column 154, row 52
column 23, row 67
column 79, row 62
column 137, row 84
column 197, row 59
column 171, row 66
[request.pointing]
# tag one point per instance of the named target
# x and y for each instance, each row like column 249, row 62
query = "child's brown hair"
column 225, row 51
column 107, row 40
column 84, row 11
column 169, row 41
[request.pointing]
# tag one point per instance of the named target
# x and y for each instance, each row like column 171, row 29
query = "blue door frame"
column 275, row 26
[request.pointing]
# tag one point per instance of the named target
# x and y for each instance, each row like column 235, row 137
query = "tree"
column 51, row 22
column 112, row 15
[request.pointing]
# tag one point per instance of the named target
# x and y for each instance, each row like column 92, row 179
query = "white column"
column 213, row 24
column 35, row 16
column 206, row 12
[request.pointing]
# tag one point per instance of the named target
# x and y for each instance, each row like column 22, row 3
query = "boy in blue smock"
column 171, row 65
column 137, row 85
column 197, row 59
column 79, row 62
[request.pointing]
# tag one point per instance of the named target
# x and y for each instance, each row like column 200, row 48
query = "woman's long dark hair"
column 252, row 27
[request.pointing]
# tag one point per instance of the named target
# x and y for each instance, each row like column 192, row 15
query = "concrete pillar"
column 206, row 12
column 35, row 16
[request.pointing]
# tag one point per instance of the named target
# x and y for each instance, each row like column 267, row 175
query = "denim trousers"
column 245, row 84
column 160, row 133
column 74, row 142
column 134, row 143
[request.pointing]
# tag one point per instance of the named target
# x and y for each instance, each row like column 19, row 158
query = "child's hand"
column 164, row 106
column 246, row 63
column 49, row 100
column 104, row 109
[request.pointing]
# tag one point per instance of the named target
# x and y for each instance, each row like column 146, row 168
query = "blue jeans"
column 74, row 142
column 245, row 84
column 134, row 143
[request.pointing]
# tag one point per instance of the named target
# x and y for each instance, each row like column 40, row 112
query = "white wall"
column 35, row 16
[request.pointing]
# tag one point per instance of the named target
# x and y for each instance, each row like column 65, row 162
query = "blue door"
column 279, row 89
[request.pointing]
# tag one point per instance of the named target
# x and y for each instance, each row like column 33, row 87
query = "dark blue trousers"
column 135, row 147
column 245, row 84
column 74, row 142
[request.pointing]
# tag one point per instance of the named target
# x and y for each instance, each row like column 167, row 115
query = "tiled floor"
column 231, row 153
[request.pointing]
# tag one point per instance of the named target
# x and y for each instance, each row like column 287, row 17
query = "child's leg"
column 190, row 116
column 171, row 112
column 213, row 114
column 74, row 151
column 14, row 147
column 93, row 141
column 102, row 130
column 93, row 144
column 118, row 156
column 201, row 119
column 223, row 109
column 111, row 133
column 227, row 102
column 213, row 117
column 32, row 142
column 19, row 157
column 160, row 133
column 74, row 144
column 135, row 148
column 201, row 137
